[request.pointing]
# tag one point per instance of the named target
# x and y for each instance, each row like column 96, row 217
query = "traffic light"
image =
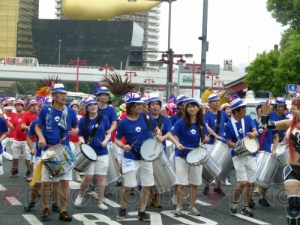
column 136, row 56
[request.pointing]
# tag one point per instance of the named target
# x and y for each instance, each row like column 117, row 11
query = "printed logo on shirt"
column 57, row 118
column 240, row 130
column 138, row 129
column 193, row 131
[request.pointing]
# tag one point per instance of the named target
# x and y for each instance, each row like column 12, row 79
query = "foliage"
column 85, row 88
column 286, row 12
column 24, row 88
column 261, row 71
column 114, row 83
column 285, row 37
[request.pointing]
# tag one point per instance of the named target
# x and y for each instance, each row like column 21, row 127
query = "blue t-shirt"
column 187, row 137
column 211, row 119
column 268, row 140
column 3, row 129
column 110, row 113
column 48, row 119
column 174, row 118
column 134, row 130
column 230, row 134
column 167, row 126
column 274, row 117
column 31, row 133
column 100, row 134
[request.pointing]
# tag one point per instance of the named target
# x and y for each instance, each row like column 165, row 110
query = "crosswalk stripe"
column 202, row 203
column 32, row 219
column 250, row 219
column 2, row 188
column 106, row 200
column 155, row 217
column 13, row 201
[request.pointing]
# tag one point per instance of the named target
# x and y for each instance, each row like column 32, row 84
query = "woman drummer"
column 94, row 130
column 291, row 172
column 190, row 133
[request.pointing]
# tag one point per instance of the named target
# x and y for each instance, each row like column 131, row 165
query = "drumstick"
column 157, row 140
column 134, row 143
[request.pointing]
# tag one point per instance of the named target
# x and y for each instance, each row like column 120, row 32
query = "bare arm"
column 39, row 133
column 30, row 144
column 230, row 143
column 174, row 140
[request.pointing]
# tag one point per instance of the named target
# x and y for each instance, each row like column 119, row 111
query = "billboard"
column 21, row 61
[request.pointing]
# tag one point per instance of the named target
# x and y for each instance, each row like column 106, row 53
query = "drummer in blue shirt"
column 240, row 126
column 266, row 138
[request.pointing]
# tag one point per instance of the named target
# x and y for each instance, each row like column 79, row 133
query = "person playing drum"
column 135, row 130
column 265, row 138
column 215, row 121
column 239, row 127
column 53, row 127
column 190, row 133
column 291, row 172
column 94, row 120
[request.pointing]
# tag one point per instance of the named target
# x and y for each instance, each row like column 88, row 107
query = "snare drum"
column 58, row 160
column 113, row 173
column 246, row 146
column 151, row 150
column 85, row 156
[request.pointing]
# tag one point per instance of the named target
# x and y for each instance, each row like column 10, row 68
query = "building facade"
column 15, row 27
column 148, row 20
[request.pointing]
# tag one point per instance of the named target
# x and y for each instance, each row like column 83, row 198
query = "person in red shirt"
column 8, row 115
column 19, row 145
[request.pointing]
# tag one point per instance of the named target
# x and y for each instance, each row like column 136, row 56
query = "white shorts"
column 6, row 142
column 245, row 168
column 186, row 174
column 1, row 165
column 145, row 172
column 46, row 176
column 18, row 148
column 73, row 145
column 120, row 155
column 99, row 167
column 114, row 148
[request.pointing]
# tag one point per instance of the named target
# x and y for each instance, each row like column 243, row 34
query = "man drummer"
column 265, row 138
column 54, row 125
column 135, row 130
column 279, row 114
column 239, row 127
column 215, row 121
column 154, row 105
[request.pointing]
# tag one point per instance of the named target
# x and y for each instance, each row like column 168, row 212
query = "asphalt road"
column 214, row 208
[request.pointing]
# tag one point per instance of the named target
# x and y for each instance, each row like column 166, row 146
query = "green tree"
column 285, row 37
column 286, row 12
column 85, row 88
column 288, row 69
column 24, row 88
column 261, row 71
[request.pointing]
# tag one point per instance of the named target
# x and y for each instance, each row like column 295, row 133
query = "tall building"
column 148, row 20
column 15, row 27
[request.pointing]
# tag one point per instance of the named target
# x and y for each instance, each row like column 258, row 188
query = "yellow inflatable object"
column 37, row 173
column 103, row 9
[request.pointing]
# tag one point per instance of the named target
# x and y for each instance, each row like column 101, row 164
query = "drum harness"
column 89, row 139
column 218, row 124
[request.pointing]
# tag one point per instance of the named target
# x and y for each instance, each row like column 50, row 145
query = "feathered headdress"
column 46, row 85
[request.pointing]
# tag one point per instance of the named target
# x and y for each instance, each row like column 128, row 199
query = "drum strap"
column 89, row 139
column 149, row 123
column 218, row 124
column 263, row 135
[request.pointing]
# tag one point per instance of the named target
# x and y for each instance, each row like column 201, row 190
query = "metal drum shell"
column 164, row 173
column 241, row 150
column 212, row 167
column 84, row 161
column 267, row 167
column 193, row 159
column 222, row 156
column 113, row 173
column 278, row 179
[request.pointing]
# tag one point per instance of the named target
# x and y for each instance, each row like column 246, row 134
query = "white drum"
column 151, row 150
column 85, row 156
column 246, row 146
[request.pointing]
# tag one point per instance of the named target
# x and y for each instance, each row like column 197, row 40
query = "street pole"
column 204, row 47
column 59, row 51
column 77, row 74
column 178, row 77
column 170, row 52
column 193, row 79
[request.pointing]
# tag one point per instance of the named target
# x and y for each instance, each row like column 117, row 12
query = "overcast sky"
column 236, row 28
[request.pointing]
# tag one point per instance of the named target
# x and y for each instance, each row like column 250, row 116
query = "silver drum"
column 222, row 156
column 246, row 146
column 283, row 153
column 85, row 157
column 164, row 173
column 267, row 167
column 113, row 173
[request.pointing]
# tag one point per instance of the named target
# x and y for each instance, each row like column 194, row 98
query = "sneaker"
column 77, row 177
column 227, row 183
column 247, row 212
column 45, row 213
column 219, row 191
column 206, row 190
column 213, row 182
column 263, row 202
column 233, row 208
column 55, row 207
column 90, row 189
column 252, row 204
column 78, row 201
column 65, row 216
column 121, row 214
column 143, row 216
column 14, row 172
column 174, row 200
column 193, row 211
column 28, row 175
column 178, row 210
column 29, row 207
column 118, row 183
column 155, row 203
column 102, row 207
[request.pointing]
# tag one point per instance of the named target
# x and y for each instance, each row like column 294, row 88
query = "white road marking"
column 2, row 188
column 250, row 219
column 155, row 217
column 202, row 203
column 13, row 201
column 186, row 221
column 106, row 200
column 32, row 219
column 100, row 219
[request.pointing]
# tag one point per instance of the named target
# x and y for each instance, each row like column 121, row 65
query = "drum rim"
column 160, row 153
column 43, row 159
column 86, row 155
column 201, row 161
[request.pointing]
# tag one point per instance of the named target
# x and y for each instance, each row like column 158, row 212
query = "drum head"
column 88, row 152
column 53, row 151
column 150, row 149
column 196, row 155
column 251, row 144
column 280, row 149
